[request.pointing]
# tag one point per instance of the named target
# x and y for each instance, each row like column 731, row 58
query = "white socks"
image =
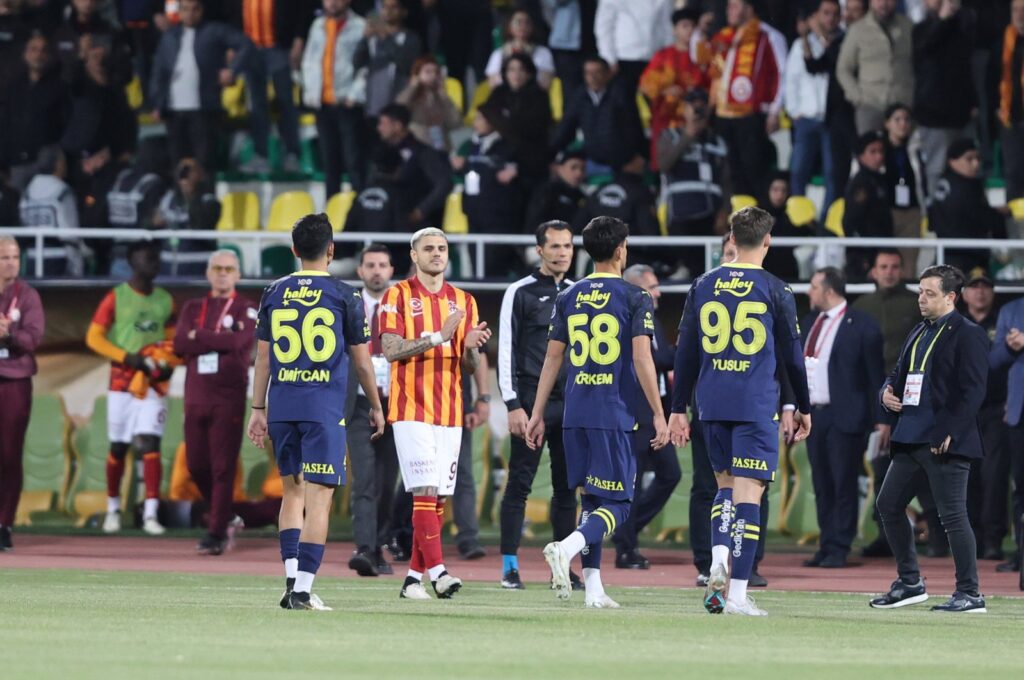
column 418, row 575
column 592, row 581
column 113, row 503
column 738, row 590
column 572, row 545
column 303, row 581
column 435, row 572
column 720, row 556
column 291, row 567
column 149, row 508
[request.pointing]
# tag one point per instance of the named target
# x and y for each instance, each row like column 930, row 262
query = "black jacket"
column 957, row 373
column 612, row 131
column 424, row 181
column 527, row 113
column 944, row 91
column 960, row 209
column 213, row 40
column 554, row 200
column 627, row 198
column 34, row 117
column 868, row 212
column 836, row 105
column 664, row 356
column 66, row 42
column 376, row 208
column 523, row 340
column 494, row 208
column 100, row 118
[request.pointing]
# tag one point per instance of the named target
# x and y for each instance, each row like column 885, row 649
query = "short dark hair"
column 833, row 278
column 524, row 60
column 397, row 113
column 951, row 279
column 374, row 248
column 886, row 251
column 598, row 60
column 894, row 107
column 726, row 236
column 139, row 246
column 603, row 235
column 311, row 235
column 550, row 225
column 750, row 226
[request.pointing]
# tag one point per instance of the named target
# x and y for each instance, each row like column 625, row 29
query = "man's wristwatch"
column 485, row 398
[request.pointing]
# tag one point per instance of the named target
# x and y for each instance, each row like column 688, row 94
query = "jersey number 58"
column 600, row 345
column 316, row 338
column 718, row 328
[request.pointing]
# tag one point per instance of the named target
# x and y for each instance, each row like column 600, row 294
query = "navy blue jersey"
column 739, row 321
column 598, row 318
column 310, row 319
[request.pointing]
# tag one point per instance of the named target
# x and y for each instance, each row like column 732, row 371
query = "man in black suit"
column 935, row 393
column 843, row 355
column 663, row 462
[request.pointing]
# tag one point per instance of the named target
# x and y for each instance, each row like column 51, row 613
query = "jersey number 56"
column 317, row 337
column 718, row 328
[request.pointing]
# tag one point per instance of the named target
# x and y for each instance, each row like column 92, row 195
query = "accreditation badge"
column 912, row 392
column 382, row 373
column 209, row 363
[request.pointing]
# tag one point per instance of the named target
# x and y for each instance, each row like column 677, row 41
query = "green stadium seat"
column 47, row 458
column 87, row 490
column 277, row 261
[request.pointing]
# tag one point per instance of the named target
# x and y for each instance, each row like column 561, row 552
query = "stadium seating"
column 644, row 109
column 239, row 211
column 800, row 210
column 47, row 458
column 455, row 92
column 834, row 217
column 739, row 201
column 287, row 209
column 234, row 101
column 555, row 95
column 337, row 209
column 455, row 221
column 480, row 95
column 87, row 490
column 1016, row 207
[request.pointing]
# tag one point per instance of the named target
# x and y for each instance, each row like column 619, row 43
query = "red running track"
column 260, row 556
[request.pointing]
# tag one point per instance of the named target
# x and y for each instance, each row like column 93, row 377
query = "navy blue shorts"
column 600, row 461
column 744, row 449
column 313, row 449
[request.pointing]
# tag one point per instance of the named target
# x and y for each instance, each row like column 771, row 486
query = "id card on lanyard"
column 209, row 363
column 14, row 315
column 915, row 377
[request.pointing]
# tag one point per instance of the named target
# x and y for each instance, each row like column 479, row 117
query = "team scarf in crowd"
column 1006, row 83
column 747, row 74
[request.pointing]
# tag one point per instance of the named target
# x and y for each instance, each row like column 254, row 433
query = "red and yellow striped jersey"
column 427, row 388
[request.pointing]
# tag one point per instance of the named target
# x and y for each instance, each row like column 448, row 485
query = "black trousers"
column 374, row 466
column 647, row 503
column 750, row 153
column 988, row 499
column 947, row 477
column 836, row 459
column 1013, row 160
column 569, row 69
column 341, row 134
column 628, row 77
column 194, row 134
column 703, row 489
column 522, row 468
column 1015, row 439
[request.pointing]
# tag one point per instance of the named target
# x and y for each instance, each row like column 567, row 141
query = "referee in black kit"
column 934, row 395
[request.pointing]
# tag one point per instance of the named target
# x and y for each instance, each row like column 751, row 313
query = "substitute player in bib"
column 738, row 322
column 607, row 325
column 429, row 331
column 308, row 326
column 128, row 325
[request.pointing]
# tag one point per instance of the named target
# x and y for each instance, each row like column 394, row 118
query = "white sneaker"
column 447, row 585
column 153, row 527
column 601, row 601
column 414, row 591
column 714, row 593
column 745, row 608
column 317, row 605
column 559, row 570
column 112, row 523
column 235, row 526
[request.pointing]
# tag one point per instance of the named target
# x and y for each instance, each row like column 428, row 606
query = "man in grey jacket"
column 188, row 72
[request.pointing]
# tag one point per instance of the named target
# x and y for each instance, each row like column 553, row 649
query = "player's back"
column 739, row 311
column 597, row 318
column 310, row 319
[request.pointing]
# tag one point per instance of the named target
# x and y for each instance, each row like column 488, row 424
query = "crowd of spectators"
column 683, row 102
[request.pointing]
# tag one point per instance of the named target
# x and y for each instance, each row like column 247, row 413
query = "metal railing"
column 474, row 246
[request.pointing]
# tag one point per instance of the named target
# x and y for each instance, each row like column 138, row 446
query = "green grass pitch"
column 73, row 624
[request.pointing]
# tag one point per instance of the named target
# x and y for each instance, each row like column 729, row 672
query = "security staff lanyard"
column 209, row 363
column 915, row 379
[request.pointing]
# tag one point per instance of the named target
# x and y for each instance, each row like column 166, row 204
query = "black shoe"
column 994, row 554
column 473, row 552
column 5, row 539
column 877, row 548
column 289, row 583
column 632, row 560
column 383, row 568
column 398, row 554
column 364, row 563
column 900, row 595
column 510, row 580
column 833, row 562
column 816, row 560
column 1008, row 566
column 211, row 545
column 757, row 581
column 962, row 603
column 576, row 581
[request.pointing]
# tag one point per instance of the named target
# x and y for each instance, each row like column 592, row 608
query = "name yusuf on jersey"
column 731, row 365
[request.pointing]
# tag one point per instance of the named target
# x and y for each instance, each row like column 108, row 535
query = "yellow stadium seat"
column 800, row 210
column 644, row 109
column 663, row 218
column 133, row 91
column 740, row 201
column 455, row 221
column 555, row 95
column 483, row 91
column 1016, row 207
column 834, row 217
column 288, row 208
column 239, row 211
column 454, row 89
column 337, row 208
column 233, row 99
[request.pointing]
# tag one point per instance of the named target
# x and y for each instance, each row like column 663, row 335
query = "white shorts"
column 128, row 416
column 428, row 455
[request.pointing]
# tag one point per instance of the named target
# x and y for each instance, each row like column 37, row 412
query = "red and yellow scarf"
column 1006, row 82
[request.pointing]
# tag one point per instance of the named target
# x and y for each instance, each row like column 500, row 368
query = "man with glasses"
column 215, row 336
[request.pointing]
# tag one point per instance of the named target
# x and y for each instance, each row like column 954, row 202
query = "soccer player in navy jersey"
column 308, row 326
column 738, row 323
column 607, row 325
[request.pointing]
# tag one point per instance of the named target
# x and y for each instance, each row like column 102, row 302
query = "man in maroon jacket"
column 215, row 336
column 21, row 330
